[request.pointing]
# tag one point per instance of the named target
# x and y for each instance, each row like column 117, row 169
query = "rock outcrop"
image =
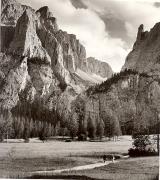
column 11, row 10
column 145, row 56
column 40, row 62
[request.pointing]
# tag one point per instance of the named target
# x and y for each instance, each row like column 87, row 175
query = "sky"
column 107, row 28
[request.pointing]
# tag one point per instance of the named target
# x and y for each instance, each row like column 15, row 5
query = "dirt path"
column 77, row 168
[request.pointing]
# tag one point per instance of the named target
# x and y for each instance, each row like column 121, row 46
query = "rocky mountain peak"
column 140, row 31
column 41, row 62
column 46, row 62
column 47, row 19
column 45, row 12
column 145, row 56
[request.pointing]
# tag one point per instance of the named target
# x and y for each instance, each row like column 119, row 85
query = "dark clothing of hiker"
column 104, row 158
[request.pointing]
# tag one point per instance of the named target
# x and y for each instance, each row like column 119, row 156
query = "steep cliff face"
column 145, row 56
column 133, row 101
column 39, row 62
column 7, row 33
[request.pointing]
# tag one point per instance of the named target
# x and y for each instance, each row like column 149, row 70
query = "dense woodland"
column 35, row 120
column 28, row 122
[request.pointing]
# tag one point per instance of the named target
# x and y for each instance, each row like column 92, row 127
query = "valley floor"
column 18, row 159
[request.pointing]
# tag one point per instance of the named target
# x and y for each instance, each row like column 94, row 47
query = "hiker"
column 113, row 158
column 104, row 158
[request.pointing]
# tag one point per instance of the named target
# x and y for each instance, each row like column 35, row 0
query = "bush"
column 142, row 146
column 42, row 136
column 141, row 142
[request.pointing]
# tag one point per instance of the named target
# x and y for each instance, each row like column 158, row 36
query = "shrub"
column 42, row 138
column 141, row 142
column 142, row 146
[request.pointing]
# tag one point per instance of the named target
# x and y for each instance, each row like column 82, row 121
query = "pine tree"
column 116, row 129
column 26, row 132
column 100, row 129
column 5, row 123
column 73, row 125
column 91, row 128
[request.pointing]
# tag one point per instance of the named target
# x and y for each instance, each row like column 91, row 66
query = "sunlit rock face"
column 145, row 56
column 99, row 68
column 11, row 10
column 25, row 41
column 40, row 61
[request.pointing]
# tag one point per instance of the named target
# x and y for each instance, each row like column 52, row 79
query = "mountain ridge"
column 47, row 68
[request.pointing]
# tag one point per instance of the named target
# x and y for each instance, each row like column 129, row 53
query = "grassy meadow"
column 145, row 168
column 19, row 159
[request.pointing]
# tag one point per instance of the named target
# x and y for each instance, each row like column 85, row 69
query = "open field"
column 50, row 149
column 18, row 159
column 145, row 168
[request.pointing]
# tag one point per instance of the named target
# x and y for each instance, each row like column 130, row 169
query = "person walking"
column 113, row 158
column 104, row 158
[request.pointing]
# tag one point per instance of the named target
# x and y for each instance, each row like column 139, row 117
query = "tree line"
column 104, row 86
column 27, row 121
column 36, row 120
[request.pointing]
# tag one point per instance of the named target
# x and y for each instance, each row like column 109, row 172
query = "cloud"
column 157, row 4
column 107, row 28
column 132, row 13
column 78, row 4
